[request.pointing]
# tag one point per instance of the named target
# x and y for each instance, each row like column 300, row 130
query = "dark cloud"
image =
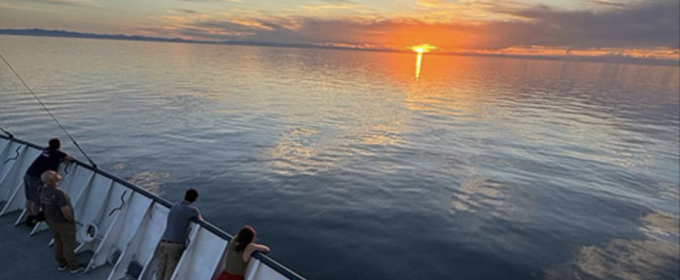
column 650, row 24
column 226, row 28
column 609, row 3
column 62, row 2
column 250, row 26
column 182, row 11
column 653, row 24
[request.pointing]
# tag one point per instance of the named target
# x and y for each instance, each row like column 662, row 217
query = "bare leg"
column 33, row 208
column 29, row 208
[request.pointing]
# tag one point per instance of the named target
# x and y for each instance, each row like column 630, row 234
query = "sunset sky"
column 553, row 27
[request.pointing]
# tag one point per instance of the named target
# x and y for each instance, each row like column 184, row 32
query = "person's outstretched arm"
column 252, row 247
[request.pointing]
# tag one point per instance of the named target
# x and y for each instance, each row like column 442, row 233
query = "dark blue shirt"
column 178, row 221
column 48, row 160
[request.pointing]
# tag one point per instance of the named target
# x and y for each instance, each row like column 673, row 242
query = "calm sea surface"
column 350, row 168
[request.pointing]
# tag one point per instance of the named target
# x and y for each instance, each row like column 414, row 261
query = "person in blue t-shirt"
column 49, row 159
column 172, row 243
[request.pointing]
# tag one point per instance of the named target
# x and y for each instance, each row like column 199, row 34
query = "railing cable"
column 7, row 132
column 48, row 111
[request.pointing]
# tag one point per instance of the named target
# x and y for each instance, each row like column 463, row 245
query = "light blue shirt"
column 178, row 220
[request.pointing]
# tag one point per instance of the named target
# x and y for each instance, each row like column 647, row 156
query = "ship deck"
column 29, row 257
column 115, row 245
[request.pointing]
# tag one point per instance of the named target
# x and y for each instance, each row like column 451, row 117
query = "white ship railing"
column 121, row 224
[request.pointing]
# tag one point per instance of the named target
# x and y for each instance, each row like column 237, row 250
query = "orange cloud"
column 540, row 31
column 436, row 4
column 64, row 2
column 328, row 6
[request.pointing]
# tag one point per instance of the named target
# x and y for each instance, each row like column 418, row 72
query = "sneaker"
column 30, row 221
column 62, row 267
column 40, row 217
column 79, row 268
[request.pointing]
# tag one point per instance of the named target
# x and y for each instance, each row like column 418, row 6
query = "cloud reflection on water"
column 652, row 257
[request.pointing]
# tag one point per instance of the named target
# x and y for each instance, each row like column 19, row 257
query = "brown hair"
column 245, row 236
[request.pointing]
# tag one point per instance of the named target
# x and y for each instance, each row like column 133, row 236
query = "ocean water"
column 351, row 167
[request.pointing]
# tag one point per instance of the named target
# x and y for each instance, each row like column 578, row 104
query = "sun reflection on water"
column 420, row 49
column 418, row 63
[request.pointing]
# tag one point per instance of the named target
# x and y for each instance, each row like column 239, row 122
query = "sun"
column 424, row 48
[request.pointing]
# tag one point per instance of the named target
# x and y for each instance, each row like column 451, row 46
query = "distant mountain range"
column 71, row 34
column 63, row 33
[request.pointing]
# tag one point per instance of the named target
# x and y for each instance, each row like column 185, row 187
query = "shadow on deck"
column 29, row 257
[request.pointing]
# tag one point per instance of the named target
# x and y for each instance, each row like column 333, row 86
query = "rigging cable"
column 48, row 112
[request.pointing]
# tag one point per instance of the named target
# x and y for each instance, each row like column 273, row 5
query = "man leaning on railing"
column 172, row 243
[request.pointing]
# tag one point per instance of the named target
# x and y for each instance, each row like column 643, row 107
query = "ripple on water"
column 654, row 256
column 484, row 168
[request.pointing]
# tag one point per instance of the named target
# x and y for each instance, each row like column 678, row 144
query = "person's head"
column 50, row 178
column 191, row 195
column 55, row 144
column 245, row 236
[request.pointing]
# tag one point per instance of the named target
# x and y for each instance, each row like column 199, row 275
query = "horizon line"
column 620, row 59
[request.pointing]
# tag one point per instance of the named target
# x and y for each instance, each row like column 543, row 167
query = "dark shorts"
column 33, row 185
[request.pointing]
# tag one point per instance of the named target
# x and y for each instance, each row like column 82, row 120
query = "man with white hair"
column 59, row 217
